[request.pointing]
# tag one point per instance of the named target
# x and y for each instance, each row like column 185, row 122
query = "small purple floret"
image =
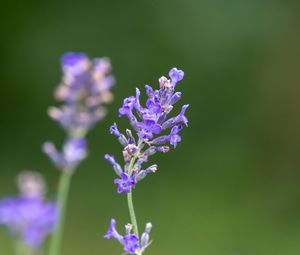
column 176, row 75
column 112, row 232
column 130, row 241
column 125, row 183
column 174, row 138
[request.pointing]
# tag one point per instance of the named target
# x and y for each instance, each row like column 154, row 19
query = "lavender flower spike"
column 84, row 91
column 29, row 217
column 155, row 130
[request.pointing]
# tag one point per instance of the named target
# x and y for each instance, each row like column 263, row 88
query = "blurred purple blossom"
column 74, row 151
column 29, row 217
column 84, row 90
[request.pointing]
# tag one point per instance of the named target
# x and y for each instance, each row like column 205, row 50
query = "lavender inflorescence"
column 29, row 217
column 85, row 88
column 150, row 123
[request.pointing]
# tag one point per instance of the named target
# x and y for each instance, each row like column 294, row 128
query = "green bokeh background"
column 232, row 186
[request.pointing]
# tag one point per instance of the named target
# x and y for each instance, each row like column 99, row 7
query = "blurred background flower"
column 233, row 184
column 28, row 217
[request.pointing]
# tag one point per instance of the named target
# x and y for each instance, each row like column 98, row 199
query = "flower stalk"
column 62, row 197
column 84, row 90
column 130, row 204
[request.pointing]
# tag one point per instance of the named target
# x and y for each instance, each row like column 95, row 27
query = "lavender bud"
column 176, row 75
column 54, row 113
column 150, row 151
column 128, row 228
column 131, row 139
column 164, row 83
column 161, row 139
column 152, row 169
column 127, row 156
column 143, row 173
column 114, row 131
column 163, row 149
column 74, row 152
column 162, row 118
column 101, row 66
column 149, row 91
column 169, row 123
column 50, row 150
column 146, row 235
column 132, row 149
column 175, row 98
column 113, row 162
column 31, row 184
column 168, row 109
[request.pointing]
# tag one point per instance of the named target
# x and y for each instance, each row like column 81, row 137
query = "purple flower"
column 148, row 127
column 174, row 138
column 125, row 183
column 176, row 75
column 85, row 88
column 181, row 117
column 149, row 123
column 132, row 244
column 114, row 130
column 130, row 241
column 112, row 232
column 127, row 107
column 74, row 151
column 29, row 217
column 158, row 105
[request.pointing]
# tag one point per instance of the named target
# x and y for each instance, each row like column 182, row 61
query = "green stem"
column 22, row 249
column 130, row 202
column 62, row 196
column 132, row 214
